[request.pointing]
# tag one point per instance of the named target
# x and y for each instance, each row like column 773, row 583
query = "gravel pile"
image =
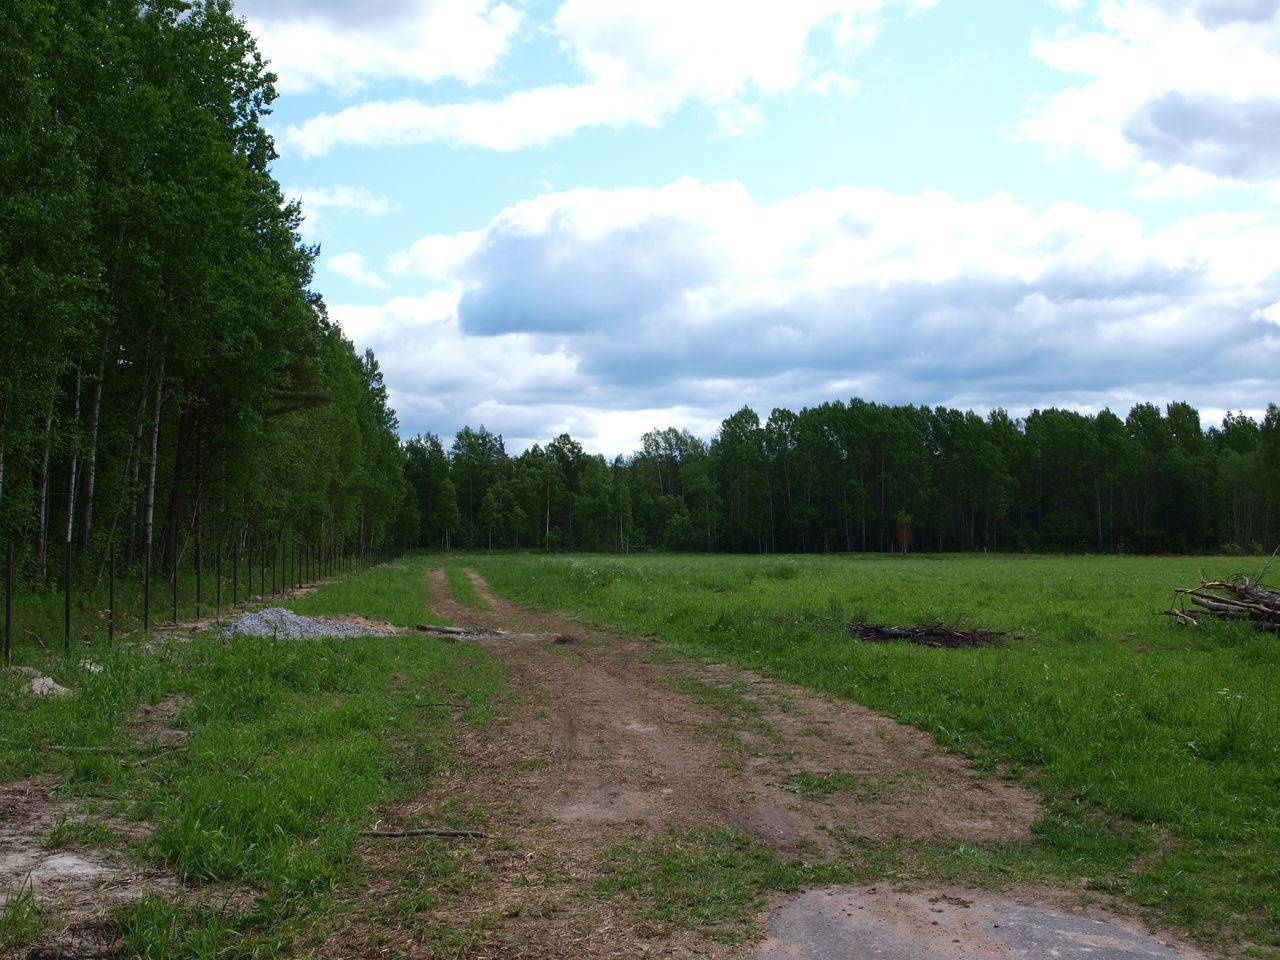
column 278, row 622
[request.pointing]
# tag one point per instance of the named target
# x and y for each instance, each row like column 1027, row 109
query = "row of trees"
column 167, row 378
column 865, row 476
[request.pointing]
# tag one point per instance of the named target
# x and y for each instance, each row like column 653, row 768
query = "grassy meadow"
column 1155, row 747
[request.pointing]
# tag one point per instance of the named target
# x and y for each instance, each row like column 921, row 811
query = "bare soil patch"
column 935, row 635
column 153, row 723
column 75, row 885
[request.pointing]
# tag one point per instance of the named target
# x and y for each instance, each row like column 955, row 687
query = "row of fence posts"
column 300, row 565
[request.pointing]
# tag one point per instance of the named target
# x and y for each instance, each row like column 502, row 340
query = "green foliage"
column 21, row 919
column 869, row 477
column 168, row 382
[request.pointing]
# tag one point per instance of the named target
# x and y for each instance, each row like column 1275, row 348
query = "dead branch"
column 424, row 832
column 1239, row 598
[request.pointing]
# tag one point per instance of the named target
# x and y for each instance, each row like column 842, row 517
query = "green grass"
column 393, row 592
column 38, row 624
column 713, row 879
column 293, row 748
column 21, row 921
column 1154, row 746
column 80, row 832
column 464, row 591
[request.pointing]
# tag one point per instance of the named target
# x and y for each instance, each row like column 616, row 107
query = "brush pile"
column 1237, row 599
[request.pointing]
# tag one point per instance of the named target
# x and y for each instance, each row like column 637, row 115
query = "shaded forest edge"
column 862, row 476
column 169, row 383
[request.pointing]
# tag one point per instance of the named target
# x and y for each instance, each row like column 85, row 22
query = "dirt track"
column 614, row 740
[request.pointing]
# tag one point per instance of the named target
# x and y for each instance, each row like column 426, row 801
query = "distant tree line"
column 166, row 376
column 864, row 476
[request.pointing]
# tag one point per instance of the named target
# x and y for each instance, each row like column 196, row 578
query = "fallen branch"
column 454, row 634
column 424, row 832
column 1237, row 599
column 452, row 631
column 162, row 751
column 61, row 748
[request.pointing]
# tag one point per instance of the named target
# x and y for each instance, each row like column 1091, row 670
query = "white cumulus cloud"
column 639, row 60
column 353, row 267
column 346, row 46
column 1187, row 92
column 613, row 311
column 339, row 198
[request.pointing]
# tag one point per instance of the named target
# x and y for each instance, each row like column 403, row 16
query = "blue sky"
column 604, row 216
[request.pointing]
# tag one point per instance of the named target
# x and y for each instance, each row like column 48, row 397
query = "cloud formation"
column 352, row 266
column 345, row 46
column 609, row 312
column 639, row 61
column 1187, row 92
column 340, row 198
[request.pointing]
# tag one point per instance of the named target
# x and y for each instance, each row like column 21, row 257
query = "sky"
column 607, row 216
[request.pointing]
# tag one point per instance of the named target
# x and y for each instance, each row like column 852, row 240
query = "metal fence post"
column 66, row 606
column 199, row 552
column 217, row 576
column 8, row 606
column 111, row 598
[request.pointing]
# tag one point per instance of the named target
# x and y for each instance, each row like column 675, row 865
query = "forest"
column 862, row 476
column 169, row 384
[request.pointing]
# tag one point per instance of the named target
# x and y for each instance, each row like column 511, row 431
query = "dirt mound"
column 285, row 624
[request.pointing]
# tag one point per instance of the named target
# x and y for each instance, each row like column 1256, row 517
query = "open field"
column 1154, row 748
column 689, row 748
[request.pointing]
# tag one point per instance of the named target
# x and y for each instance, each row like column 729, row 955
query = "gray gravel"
column 285, row 624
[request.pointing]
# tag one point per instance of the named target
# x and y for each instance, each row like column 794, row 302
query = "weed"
column 81, row 833
column 21, row 919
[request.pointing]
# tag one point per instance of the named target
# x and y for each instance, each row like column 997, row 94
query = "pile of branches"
column 1237, row 599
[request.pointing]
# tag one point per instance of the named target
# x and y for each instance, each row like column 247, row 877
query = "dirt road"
column 616, row 742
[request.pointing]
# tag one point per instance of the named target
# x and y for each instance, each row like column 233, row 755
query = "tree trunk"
column 91, row 454
column 177, row 490
column 150, row 496
column 3, row 419
column 4, row 436
column 128, row 481
column 42, row 499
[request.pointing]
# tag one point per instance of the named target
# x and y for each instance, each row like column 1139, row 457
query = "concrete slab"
column 881, row 924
